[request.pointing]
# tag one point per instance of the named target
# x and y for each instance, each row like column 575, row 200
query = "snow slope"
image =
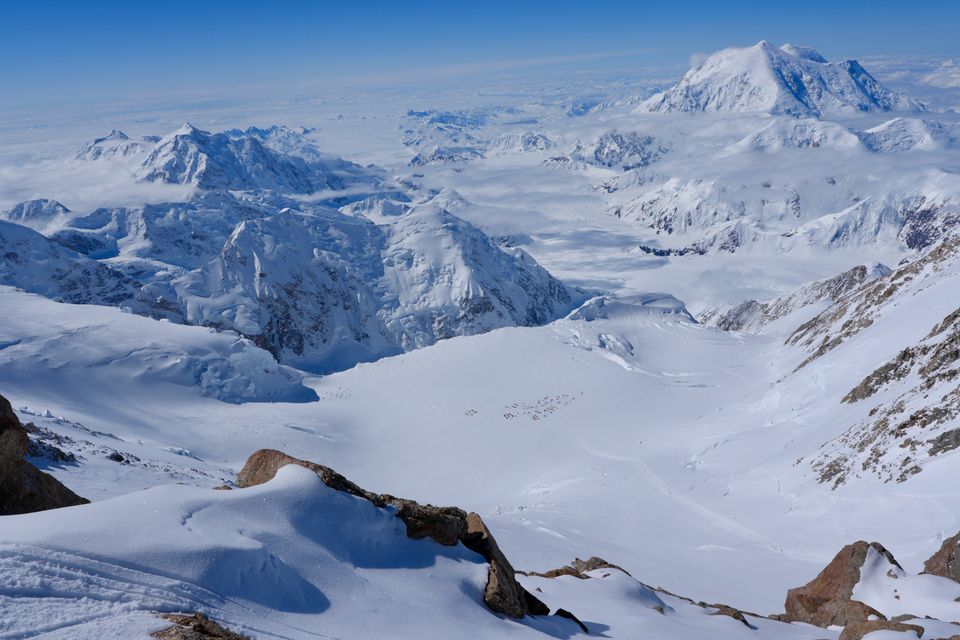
column 290, row 559
column 35, row 263
column 94, row 345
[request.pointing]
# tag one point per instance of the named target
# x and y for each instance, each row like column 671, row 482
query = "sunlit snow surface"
column 625, row 430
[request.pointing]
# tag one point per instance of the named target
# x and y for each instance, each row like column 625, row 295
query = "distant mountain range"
column 316, row 287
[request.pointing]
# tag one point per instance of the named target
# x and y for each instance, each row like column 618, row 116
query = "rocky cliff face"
column 753, row 316
column 23, row 487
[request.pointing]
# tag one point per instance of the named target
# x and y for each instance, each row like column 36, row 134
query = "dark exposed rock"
column 194, row 626
column 752, row 315
column 857, row 630
column 826, row 600
column 23, row 487
column 578, row 568
column 731, row 612
column 445, row 525
column 897, row 436
column 503, row 593
column 563, row 613
column 722, row 609
column 944, row 562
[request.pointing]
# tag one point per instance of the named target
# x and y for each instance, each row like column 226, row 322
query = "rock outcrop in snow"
column 946, row 561
column 194, row 627
column 445, row 525
column 23, row 487
column 788, row 80
column 828, row 599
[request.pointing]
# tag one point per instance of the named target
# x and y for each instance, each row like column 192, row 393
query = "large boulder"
column 827, row 599
column 445, row 525
column 23, row 487
column 503, row 593
column 944, row 562
column 858, row 630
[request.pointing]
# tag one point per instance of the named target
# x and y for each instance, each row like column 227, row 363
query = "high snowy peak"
column 284, row 140
column 115, row 144
column 790, row 80
column 37, row 214
column 248, row 161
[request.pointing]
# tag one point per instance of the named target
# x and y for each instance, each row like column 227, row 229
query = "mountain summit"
column 220, row 161
column 789, row 80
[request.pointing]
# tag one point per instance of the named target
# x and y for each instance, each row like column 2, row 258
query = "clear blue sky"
column 89, row 50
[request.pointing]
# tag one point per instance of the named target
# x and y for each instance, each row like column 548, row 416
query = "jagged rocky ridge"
column 23, row 487
column 913, row 398
column 753, row 316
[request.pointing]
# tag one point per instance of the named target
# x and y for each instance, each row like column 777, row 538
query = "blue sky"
column 54, row 52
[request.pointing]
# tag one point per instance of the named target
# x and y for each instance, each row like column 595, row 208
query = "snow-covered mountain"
column 541, row 319
column 95, row 345
column 115, row 144
column 37, row 214
column 905, row 134
column 324, row 291
column 622, row 151
column 35, row 263
column 802, row 133
column 318, row 288
column 526, row 142
column 220, row 161
column 790, row 80
column 903, row 430
column 754, row 316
